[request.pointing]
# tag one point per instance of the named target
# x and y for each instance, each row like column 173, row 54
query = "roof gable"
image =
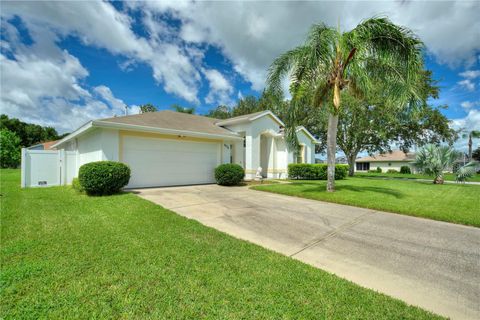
column 249, row 118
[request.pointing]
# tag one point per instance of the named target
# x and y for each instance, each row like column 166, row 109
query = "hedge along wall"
column 316, row 171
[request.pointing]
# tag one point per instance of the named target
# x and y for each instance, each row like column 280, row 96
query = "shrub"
column 10, row 150
column 405, row 170
column 77, row 186
column 229, row 174
column 103, row 177
column 379, row 170
column 316, row 171
column 392, row 171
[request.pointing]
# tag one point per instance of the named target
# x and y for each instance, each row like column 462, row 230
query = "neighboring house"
column 43, row 146
column 169, row 148
column 386, row 161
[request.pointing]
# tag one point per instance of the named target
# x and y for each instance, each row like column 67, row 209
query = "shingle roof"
column 173, row 120
column 243, row 117
column 396, row 155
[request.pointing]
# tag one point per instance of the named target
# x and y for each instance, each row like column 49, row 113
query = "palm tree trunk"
column 331, row 150
column 470, row 147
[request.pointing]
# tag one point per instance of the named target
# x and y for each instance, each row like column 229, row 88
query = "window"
column 362, row 166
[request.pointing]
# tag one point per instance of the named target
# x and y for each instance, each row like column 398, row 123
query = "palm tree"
column 373, row 53
column 433, row 160
column 181, row 109
column 472, row 134
column 467, row 171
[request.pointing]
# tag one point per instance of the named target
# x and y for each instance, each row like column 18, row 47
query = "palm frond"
column 467, row 171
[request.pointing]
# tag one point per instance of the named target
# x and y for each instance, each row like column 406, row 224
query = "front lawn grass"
column 457, row 203
column 447, row 176
column 66, row 255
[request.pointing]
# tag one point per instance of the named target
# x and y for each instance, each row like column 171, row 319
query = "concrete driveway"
column 434, row 265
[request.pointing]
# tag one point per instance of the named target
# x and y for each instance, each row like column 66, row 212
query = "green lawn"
column 455, row 203
column 65, row 255
column 447, row 176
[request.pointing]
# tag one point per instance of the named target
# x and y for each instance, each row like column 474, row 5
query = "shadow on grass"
column 395, row 193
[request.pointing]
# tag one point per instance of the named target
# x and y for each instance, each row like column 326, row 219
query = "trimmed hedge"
column 318, row 171
column 392, row 171
column 103, row 177
column 405, row 170
column 229, row 174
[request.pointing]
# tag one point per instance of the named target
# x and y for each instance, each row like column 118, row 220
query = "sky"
column 63, row 63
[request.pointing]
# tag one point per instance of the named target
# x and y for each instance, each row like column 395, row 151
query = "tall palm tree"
column 471, row 134
column 375, row 52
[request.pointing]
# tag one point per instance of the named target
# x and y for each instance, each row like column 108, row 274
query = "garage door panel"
column 163, row 162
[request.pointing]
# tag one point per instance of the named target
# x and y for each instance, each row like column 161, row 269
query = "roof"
column 302, row 128
column 173, row 120
column 249, row 117
column 47, row 145
column 396, row 155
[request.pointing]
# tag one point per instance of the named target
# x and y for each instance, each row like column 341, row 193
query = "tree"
column 433, row 160
column 471, row 134
column 220, row 112
column 29, row 134
column 376, row 51
column 10, row 149
column 181, row 109
column 467, row 171
column 148, row 108
column 372, row 126
column 476, row 154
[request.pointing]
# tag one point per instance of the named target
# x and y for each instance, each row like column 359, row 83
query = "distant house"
column 386, row 161
column 43, row 146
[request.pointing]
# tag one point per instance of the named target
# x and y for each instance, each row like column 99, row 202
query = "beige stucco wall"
column 389, row 165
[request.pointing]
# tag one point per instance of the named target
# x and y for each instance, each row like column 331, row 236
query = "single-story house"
column 169, row 148
column 47, row 145
column 385, row 161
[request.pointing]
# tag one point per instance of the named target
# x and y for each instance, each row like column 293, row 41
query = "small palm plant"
column 434, row 160
column 467, row 171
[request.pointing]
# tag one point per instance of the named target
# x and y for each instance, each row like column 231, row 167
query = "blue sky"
column 64, row 63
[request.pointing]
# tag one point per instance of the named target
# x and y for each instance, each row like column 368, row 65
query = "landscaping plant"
column 331, row 61
column 405, row 170
column 229, row 174
column 103, row 177
column 467, row 171
column 434, row 160
column 316, row 171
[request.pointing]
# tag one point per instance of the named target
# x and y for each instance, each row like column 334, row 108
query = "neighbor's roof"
column 173, row 120
column 47, row 145
column 396, row 155
column 249, row 117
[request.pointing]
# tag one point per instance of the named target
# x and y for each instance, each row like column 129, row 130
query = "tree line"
column 15, row 134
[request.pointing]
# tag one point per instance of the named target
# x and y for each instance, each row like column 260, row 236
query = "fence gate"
column 42, row 168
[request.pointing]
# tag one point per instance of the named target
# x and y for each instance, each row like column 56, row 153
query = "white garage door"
column 163, row 162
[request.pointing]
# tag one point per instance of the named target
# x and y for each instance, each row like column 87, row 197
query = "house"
column 47, row 145
column 169, row 148
column 385, row 161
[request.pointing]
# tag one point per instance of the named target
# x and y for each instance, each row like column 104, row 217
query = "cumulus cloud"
column 467, row 84
column 470, row 104
column 220, row 87
column 252, row 34
column 470, row 122
column 99, row 24
column 470, row 74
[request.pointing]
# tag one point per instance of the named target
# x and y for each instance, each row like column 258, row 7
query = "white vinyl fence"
column 42, row 168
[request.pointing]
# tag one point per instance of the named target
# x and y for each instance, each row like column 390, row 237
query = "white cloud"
column 220, row 87
column 470, row 122
column 469, row 104
column 252, row 34
column 49, row 90
column 467, row 84
column 470, row 74
column 100, row 24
